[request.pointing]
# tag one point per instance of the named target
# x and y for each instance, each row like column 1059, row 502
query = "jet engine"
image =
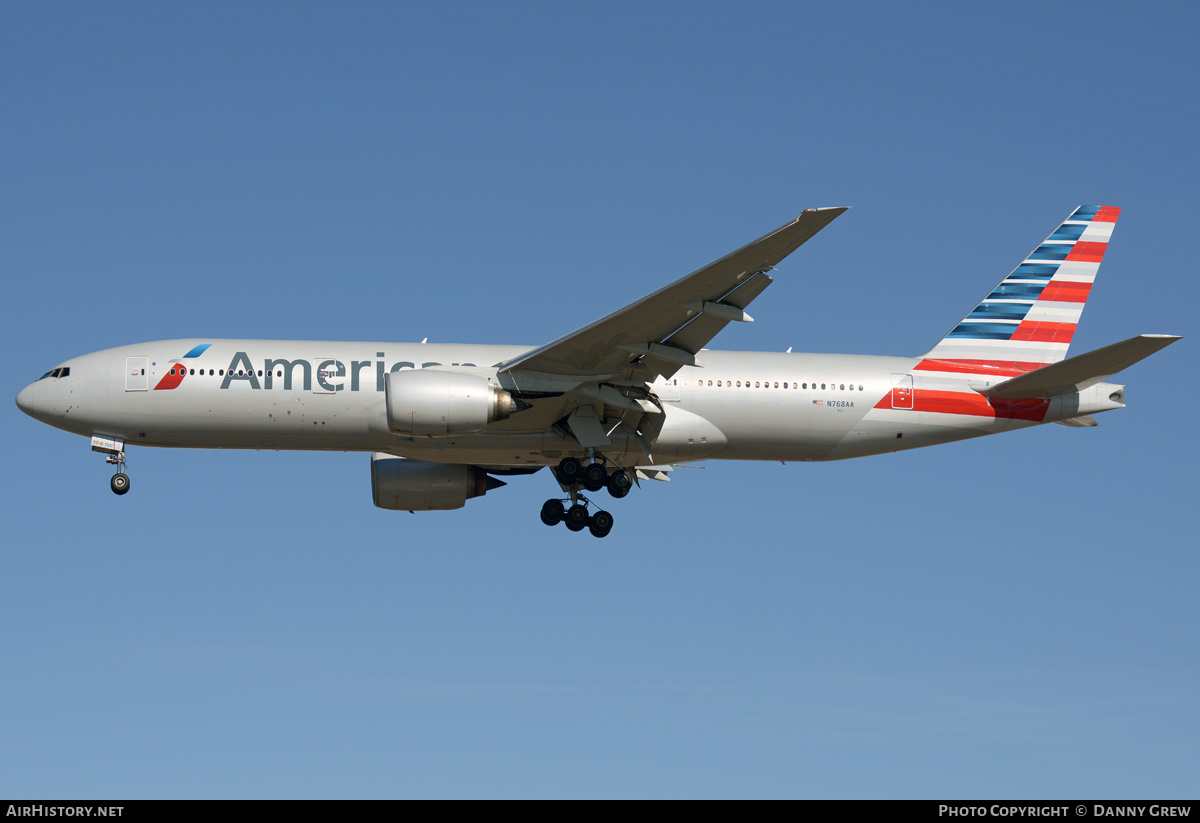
column 427, row 402
column 413, row 485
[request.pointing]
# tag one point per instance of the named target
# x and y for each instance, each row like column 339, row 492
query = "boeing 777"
column 618, row 401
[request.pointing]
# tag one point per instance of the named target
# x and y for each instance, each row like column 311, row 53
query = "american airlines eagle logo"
column 178, row 371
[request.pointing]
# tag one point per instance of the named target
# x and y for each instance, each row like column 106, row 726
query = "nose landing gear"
column 113, row 449
column 120, row 480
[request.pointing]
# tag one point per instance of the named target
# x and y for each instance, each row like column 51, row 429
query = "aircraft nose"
column 25, row 400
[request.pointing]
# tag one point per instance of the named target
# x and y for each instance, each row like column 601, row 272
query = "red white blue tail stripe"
column 1029, row 319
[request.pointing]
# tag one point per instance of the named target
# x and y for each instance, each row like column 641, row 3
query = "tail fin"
column 1029, row 318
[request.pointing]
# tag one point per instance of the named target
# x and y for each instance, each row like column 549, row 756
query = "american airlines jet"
column 618, row 401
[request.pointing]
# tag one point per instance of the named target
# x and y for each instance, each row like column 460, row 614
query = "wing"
column 664, row 330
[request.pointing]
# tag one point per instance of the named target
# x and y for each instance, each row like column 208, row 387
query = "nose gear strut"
column 113, row 449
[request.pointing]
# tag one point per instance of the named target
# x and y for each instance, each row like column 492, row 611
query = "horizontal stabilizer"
column 1077, row 373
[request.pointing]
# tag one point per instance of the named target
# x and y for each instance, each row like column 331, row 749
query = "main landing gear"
column 576, row 517
column 572, row 475
column 593, row 477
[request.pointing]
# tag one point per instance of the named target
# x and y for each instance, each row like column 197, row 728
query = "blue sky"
column 1009, row 617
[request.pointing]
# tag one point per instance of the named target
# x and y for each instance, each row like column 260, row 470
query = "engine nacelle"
column 431, row 403
column 416, row 486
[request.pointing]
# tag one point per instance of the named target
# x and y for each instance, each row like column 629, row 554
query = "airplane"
column 622, row 400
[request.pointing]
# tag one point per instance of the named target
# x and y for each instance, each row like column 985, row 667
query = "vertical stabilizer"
column 1028, row 320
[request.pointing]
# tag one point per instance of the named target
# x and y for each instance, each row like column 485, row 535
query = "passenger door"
column 136, row 378
column 902, row 391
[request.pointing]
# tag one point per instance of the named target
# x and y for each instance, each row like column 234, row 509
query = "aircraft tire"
column 601, row 524
column 552, row 512
column 119, row 483
column 569, row 470
column 619, row 483
column 594, row 477
column 576, row 518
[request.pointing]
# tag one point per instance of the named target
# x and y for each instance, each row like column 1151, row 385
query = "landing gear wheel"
column 601, row 524
column 569, row 470
column 594, row 477
column 576, row 518
column 619, row 483
column 552, row 512
column 119, row 483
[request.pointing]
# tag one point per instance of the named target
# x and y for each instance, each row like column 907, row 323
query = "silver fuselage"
column 325, row 395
